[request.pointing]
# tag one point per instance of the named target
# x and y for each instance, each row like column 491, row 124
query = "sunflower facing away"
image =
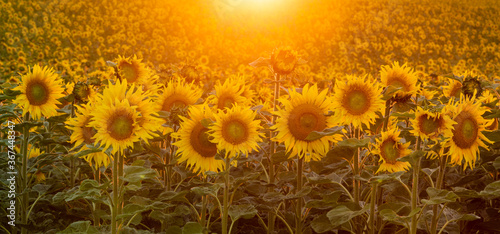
column 357, row 100
column 131, row 69
column 83, row 134
column 193, row 141
column 400, row 77
column 236, row 131
column 453, row 89
column 284, row 60
column 304, row 113
column 390, row 149
column 431, row 125
column 467, row 132
column 40, row 90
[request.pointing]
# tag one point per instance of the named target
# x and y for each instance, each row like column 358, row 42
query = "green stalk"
column 272, row 149
column 226, row 197
column 300, row 168
column 97, row 205
column 356, row 171
column 414, row 191
column 373, row 200
column 114, row 208
column 24, row 176
column 439, row 184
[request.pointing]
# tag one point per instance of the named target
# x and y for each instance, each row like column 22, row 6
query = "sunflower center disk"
column 37, row 93
column 120, row 126
column 397, row 81
column 428, row 125
column 200, row 141
column 88, row 133
column 129, row 72
column 304, row 119
column 225, row 102
column 466, row 130
column 235, row 132
column 389, row 151
column 356, row 102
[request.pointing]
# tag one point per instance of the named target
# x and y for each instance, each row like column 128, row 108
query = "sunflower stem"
column 225, row 201
column 120, row 182
column 272, row 150
column 356, row 172
column 414, row 192
column 114, row 207
column 373, row 200
column 24, row 176
column 439, row 184
column 300, row 168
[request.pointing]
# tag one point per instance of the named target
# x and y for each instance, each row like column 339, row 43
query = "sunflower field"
column 249, row 116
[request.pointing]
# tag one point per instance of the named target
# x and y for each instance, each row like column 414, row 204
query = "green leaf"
column 261, row 62
column 302, row 193
column 354, row 143
column 209, row 190
column 315, row 135
column 174, row 230
column 391, row 215
column 492, row 113
column 135, row 174
column 246, row 211
column 341, row 214
column 413, row 157
column 491, row 191
column 438, row 196
column 465, row 193
column 467, row 217
column 280, row 156
column 192, row 228
column 389, row 92
column 80, row 227
column 321, row 224
column 492, row 135
column 387, row 177
column 496, row 163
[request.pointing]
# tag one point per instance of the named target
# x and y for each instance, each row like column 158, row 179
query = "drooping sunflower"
column 178, row 93
column 235, row 131
column 228, row 94
column 304, row 113
column 400, row 77
column 131, row 69
column 117, row 125
column 82, row 133
column 284, row 60
column 390, row 149
column 431, row 125
column 467, row 132
column 40, row 90
column 193, row 141
column 357, row 100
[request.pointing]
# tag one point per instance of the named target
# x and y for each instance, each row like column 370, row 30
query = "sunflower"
column 228, row 94
column 453, row 89
column 467, row 132
column 193, row 141
column 178, row 93
column 83, row 92
column 357, row 100
column 40, row 90
column 83, row 134
column 430, row 125
column 284, row 60
column 390, row 149
column 116, row 125
column 34, row 152
column 131, row 69
column 400, row 77
column 235, row 131
column 304, row 113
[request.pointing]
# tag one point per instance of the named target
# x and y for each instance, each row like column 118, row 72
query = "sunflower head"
column 357, row 100
column 467, row 133
column 83, row 92
column 194, row 143
column 431, row 125
column 131, row 69
column 40, row 90
column 236, row 131
column 471, row 87
column 402, row 77
column 304, row 113
column 453, row 89
column 284, row 60
column 230, row 93
column 190, row 73
column 390, row 150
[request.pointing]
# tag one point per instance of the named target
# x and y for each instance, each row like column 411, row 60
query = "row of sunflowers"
column 192, row 117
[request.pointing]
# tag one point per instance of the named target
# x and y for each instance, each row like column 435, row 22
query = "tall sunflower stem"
column 114, row 208
column 225, row 205
column 120, row 182
column 439, row 184
column 414, row 191
column 300, row 168
column 272, row 150
column 24, row 176
column 373, row 201
column 356, row 172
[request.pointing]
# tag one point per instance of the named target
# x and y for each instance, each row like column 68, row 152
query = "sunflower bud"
column 471, row 85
